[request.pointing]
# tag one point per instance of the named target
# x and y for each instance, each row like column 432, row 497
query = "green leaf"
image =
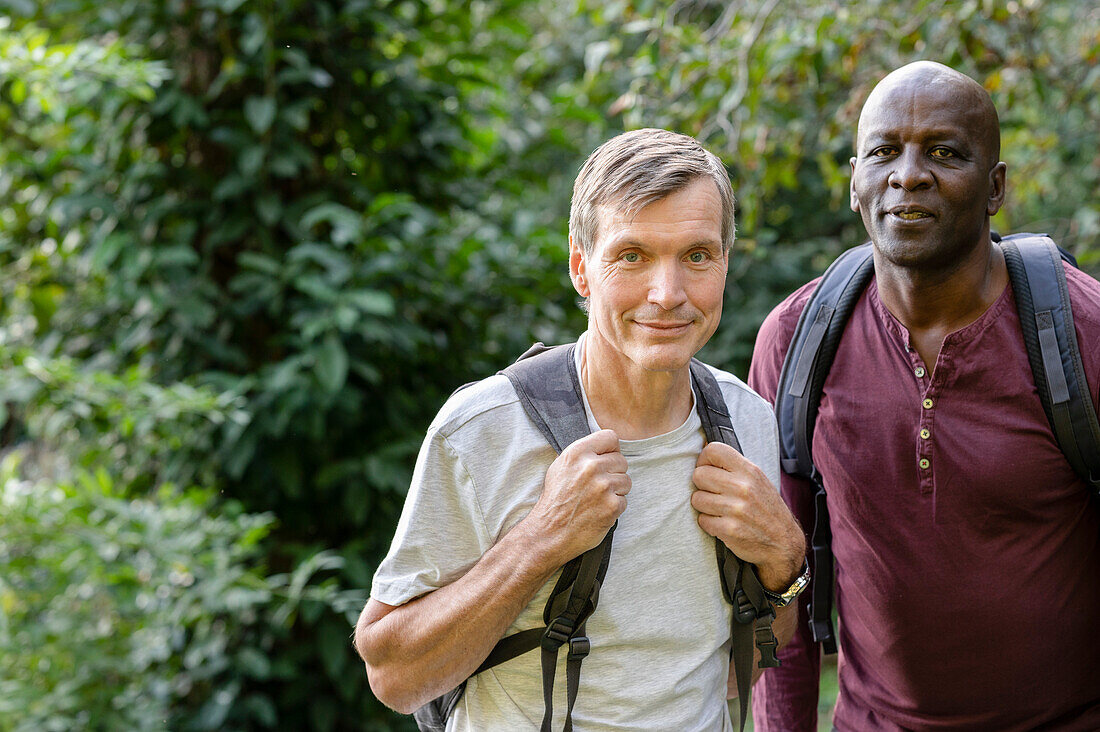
column 331, row 363
column 372, row 302
column 260, row 113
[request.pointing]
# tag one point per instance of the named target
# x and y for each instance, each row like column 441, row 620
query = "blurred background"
column 248, row 248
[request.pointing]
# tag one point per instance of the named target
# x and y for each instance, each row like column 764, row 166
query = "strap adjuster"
column 579, row 647
column 743, row 609
column 557, row 633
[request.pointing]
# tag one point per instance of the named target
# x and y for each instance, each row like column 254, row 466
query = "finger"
column 721, row 455
column 612, row 462
column 620, row 483
column 715, row 504
column 714, row 480
column 621, row 507
column 601, row 442
column 709, row 524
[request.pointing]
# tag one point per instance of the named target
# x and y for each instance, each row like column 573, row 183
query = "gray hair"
column 634, row 169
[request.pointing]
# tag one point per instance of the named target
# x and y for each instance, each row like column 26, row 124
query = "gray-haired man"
column 493, row 513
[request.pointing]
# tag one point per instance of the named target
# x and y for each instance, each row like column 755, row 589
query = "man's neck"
column 635, row 402
column 934, row 303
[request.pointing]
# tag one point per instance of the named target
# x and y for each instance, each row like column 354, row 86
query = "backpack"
column 1039, row 284
column 546, row 382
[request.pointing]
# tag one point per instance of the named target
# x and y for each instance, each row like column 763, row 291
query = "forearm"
column 417, row 651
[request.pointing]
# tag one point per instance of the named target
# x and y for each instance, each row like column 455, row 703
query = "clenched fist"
column 739, row 505
column 583, row 495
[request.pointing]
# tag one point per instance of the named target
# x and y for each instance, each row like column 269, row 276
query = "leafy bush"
column 139, row 614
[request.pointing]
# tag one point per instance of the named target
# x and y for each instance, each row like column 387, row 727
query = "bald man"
column 967, row 550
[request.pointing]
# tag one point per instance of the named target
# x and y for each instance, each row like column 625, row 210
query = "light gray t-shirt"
column 660, row 636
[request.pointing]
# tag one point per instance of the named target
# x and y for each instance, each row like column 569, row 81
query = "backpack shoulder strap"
column 810, row 355
column 1042, row 301
column 546, row 383
column 751, row 622
column 805, row 367
column 545, row 380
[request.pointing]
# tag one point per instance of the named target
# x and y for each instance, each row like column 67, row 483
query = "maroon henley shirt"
column 967, row 550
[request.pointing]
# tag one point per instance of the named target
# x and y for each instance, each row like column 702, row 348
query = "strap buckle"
column 766, row 642
column 579, row 648
column 743, row 609
column 557, row 633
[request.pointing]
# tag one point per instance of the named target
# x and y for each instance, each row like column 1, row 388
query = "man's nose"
column 911, row 170
column 667, row 287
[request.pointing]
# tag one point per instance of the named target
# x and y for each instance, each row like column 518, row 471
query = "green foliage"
column 776, row 87
column 146, row 433
column 139, row 614
column 255, row 245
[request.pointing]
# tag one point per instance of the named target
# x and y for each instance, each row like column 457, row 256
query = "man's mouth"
column 910, row 213
column 663, row 325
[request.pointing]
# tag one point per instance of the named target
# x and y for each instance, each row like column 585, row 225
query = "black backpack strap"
column 807, row 363
column 1042, row 301
column 751, row 621
column 811, row 353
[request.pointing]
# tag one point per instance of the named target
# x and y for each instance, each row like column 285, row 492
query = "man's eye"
column 881, row 152
column 942, row 152
column 631, row 257
column 697, row 257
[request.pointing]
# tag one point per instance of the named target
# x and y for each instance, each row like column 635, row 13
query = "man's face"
column 925, row 177
column 654, row 282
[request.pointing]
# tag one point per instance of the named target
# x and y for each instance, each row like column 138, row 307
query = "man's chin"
column 663, row 357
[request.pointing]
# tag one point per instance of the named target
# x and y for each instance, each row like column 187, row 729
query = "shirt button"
column 925, row 434
column 924, row 463
column 927, row 403
column 920, row 372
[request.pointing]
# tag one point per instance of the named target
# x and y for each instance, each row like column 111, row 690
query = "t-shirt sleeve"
column 785, row 698
column 441, row 533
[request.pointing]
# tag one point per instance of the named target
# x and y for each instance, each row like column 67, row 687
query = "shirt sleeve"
column 441, row 533
column 785, row 698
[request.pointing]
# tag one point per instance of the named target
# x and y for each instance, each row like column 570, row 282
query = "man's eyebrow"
column 629, row 241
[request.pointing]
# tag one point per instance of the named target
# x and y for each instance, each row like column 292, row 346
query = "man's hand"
column 417, row 651
column 739, row 505
column 583, row 495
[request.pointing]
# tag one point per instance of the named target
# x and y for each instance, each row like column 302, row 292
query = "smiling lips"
column 663, row 325
column 910, row 213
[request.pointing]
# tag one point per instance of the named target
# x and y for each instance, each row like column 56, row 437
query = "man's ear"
column 577, row 271
column 997, row 182
column 853, row 198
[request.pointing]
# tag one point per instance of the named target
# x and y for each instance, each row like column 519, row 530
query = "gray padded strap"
column 547, row 385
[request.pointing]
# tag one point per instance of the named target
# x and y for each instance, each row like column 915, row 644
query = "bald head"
column 898, row 90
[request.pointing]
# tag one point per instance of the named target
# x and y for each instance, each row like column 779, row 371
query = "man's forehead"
column 943, row 108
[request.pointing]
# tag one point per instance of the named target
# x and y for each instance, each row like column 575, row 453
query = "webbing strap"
column 578, row 649
column 821, row 561
column 741, row 660
column 511, row 647
column 549, row 668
